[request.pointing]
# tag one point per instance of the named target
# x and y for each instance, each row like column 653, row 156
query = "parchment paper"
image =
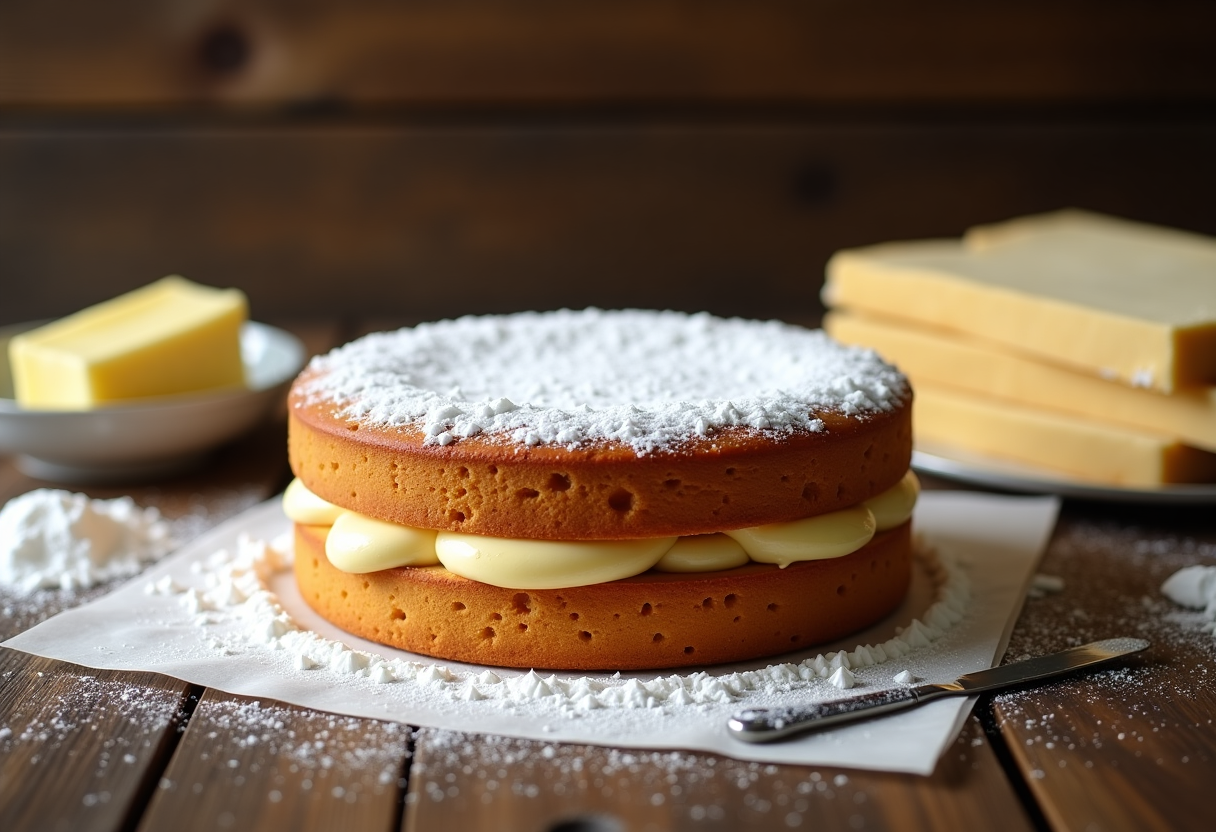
column 999, row 539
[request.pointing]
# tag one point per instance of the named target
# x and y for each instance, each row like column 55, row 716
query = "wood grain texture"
column 249, row 764
column 80, row 748
column 1134, row 747
column 271, row 52
column 465, row 781
column 1126, row 748
column 426, row 221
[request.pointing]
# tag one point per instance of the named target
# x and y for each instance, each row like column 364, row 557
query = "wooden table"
column 1130, row 748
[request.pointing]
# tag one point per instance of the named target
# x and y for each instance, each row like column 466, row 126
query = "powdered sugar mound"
column 842, row 678
column 234, row 586
column 651, row 380
column 57, row 539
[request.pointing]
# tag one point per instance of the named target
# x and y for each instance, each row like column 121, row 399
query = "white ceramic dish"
column 146, row 437
column 971, row 468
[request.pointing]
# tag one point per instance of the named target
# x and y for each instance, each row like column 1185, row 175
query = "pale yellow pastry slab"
column 937, row 357
column 1113, row 298
column 1081, row 448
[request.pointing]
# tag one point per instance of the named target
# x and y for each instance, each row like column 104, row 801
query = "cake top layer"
column 650, row 380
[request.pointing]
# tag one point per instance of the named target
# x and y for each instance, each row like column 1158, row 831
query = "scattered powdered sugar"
column 1112, row 719
column 1150, row 712
column 1129, row 600
column 56, row 539
column 232, row 597
column 1194, row 587
column 339, row 758
column 654, row 789
column 651, row 380
column 45, row 715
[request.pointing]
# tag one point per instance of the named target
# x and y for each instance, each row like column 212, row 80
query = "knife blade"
column 767, row 724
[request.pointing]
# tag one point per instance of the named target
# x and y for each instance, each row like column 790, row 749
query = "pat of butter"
column 172, row 336
column 1124, row 300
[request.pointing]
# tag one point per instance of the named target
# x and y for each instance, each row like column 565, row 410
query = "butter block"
column 975, row 366
column 172, row 336
column 1113, row 298
column 1073, row 446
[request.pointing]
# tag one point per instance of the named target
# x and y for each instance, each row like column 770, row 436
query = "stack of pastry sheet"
column 1068, row 341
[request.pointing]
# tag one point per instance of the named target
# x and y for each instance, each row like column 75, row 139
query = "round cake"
column 601, row 490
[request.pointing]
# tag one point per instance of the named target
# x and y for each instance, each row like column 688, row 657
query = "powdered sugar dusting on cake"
column 651, row 380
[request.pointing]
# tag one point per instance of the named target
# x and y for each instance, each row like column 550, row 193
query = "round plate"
column 972, row 468
column 146, row 437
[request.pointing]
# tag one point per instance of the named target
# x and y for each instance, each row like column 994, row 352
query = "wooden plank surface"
column 434, row 220
column 80, row 748
column 271, row 52
column 249, row 764
column 1128, row 748
column 465, row 781
column 1134, row 747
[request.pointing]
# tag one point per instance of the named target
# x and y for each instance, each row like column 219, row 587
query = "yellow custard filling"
column 703, row 553
column 832, row 535
column 359, row 544
column 546, row 564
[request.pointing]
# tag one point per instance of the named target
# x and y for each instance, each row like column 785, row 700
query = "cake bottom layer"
column 651, row 621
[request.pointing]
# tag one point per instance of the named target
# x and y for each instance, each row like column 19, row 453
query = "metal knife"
column 767, row 724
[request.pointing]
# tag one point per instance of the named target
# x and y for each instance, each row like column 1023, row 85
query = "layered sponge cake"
column 601, row 490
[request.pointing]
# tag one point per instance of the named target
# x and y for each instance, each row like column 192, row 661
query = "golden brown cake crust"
column 736, row 479
column 654, row 620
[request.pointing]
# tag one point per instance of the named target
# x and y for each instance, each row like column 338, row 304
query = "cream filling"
column 359, row 544
column 827, row 536
column 894, row 506
column 546, row 564
column 703, row 553
column 302, row 506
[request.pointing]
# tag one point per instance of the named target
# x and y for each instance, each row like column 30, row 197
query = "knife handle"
column 765, row 724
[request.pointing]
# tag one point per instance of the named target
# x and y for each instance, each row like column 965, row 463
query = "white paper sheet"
column 1000, row 539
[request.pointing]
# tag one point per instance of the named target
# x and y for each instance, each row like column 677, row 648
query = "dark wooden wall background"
column 427, row 158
